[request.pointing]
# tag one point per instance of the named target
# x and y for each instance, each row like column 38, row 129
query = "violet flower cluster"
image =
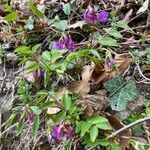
column 65, row 43
column 91, row 15
column 58, row 132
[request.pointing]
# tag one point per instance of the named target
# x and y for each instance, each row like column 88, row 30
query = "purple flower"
column 38, row 73
column 89, row 14
column 110, row 63
column 69, row 43
column 66, row 42
column 60, row 45
column 63, row 129
column 103, row 16
column 57, row 132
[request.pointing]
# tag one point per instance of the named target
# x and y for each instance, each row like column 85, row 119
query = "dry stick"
column 8, row 129
column 128, row 126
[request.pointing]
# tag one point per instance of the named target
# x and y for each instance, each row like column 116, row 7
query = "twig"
column 140, row 72
column 128, row 126
column 11, row 127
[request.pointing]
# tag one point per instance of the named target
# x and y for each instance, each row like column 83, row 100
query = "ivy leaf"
column 61, row 25
column 36, row 11
column 11, row 17
column 67, row 9
column 126, row 92
column 114, row 84
column 114, row 33
column 107, row 41
column 35, row 125
column 93, row 133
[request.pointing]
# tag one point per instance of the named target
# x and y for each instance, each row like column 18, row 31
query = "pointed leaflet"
column 93, row 133
column 35, row 125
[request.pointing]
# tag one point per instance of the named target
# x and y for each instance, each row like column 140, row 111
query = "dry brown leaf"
column 53, row 110
column 94, row 103
column 124, row 137
column 102, row 73
column 82, row 86
column 127, row 16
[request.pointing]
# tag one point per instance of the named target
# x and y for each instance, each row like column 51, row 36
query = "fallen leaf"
column 124, row 137
column 143, row 8
column 53, row 110
column 127, row 16
column 94, row 103
column 82, row 86
column 101, row 73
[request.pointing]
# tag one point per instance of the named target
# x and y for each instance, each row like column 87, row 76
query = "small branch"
column 8, row 129
column 140, row 72
column 128, row 126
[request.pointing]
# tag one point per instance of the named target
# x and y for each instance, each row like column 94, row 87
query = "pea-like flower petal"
column 103, row 16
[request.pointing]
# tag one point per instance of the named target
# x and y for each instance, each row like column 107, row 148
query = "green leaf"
column 66, row 101
column 67, row 8
column 32, row 67
column 115, row 147
column 123, row 25
column 36, row 11
column 104, row 126
column 93, row 133
column 46, row 105
column 55, row 54
column 19, row 127
column 46, row 55
column 114, row 84
column 11, row 119
column 107, row 41
column 36, row 110
column 123, row 92
column 95, row 53
column 96, row 119
column 60, row 116
column 61, row 25
column 11, row 17
column 35, row 125
column 113, row 33
column 78, row 126
column 85, row 128
column 23, row 50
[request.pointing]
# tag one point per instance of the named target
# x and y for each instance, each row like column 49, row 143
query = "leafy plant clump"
column 81, row 65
